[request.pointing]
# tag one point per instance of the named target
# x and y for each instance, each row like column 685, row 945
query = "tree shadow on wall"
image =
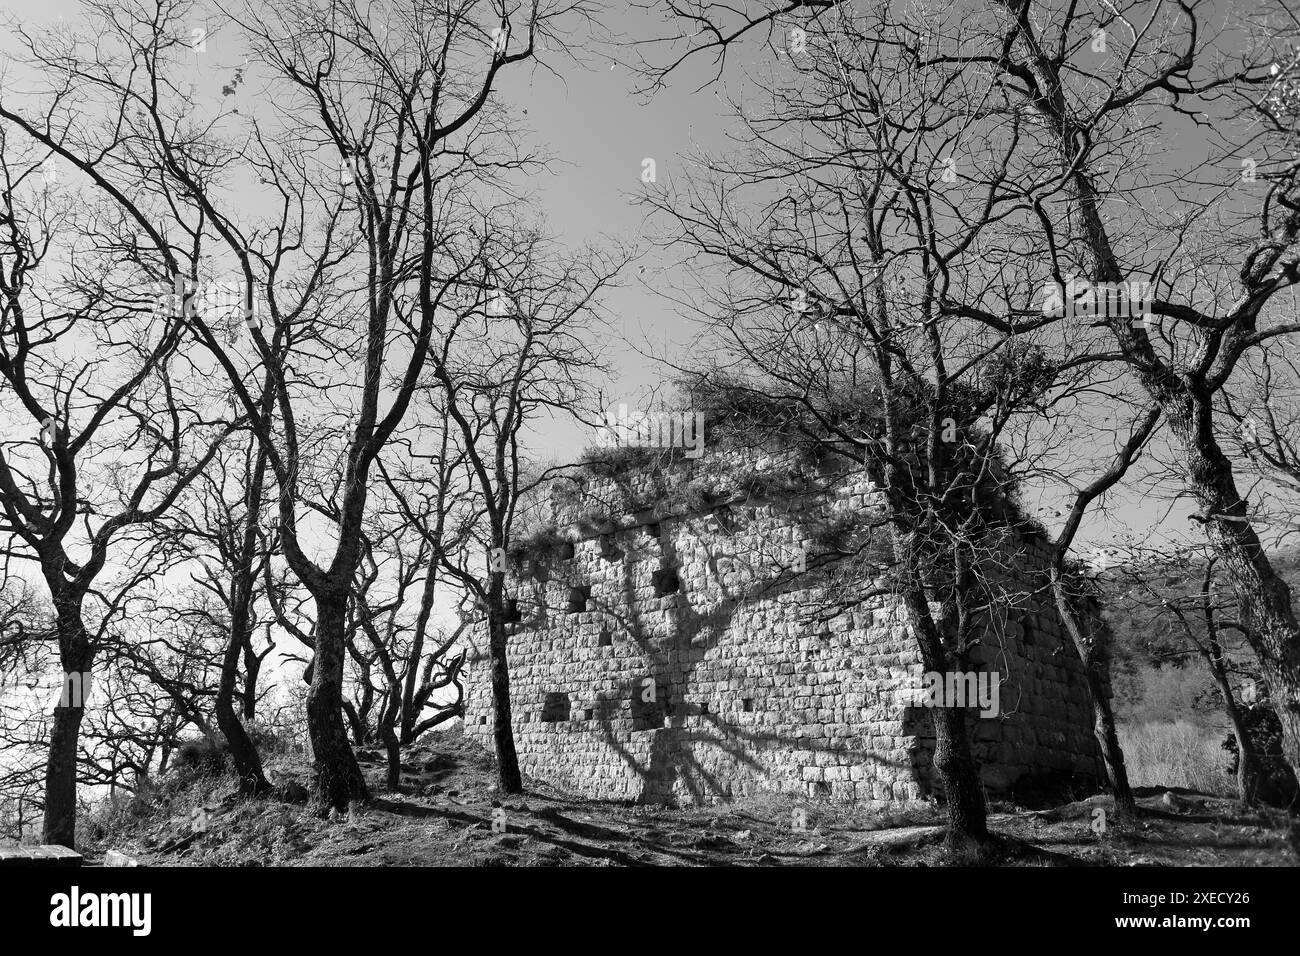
column 694, row 631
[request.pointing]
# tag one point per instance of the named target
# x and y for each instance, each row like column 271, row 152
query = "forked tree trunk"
column 1272, row 630
column 337, row 779
column 252, row 670
column 1103, row 717
column 248, row 764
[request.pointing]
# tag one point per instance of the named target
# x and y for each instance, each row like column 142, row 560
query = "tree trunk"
column 954, row 762
column 60, row 824
column 1263, row 597
column 388, row 714
column 394, row 752
column 252, row 670
column 1248, row 762
column 248, row 764
column 1103, row 717
column 360, row 734
column 338, row 779
column 508, row 776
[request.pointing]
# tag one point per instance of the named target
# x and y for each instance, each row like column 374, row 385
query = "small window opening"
column 748, row 705
column 566, row 551
column 589, row 713
column 608, row 549
column 482, row 721
column 578, row 598
column 555, row 707
column 665, row 582
column 648, row 714
column 606, row 639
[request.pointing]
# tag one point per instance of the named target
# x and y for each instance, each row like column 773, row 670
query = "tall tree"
column 520, row 349
column 114, row 432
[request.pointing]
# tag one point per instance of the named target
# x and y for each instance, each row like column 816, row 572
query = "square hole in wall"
column 566, row 551
column 578, row 598
column 608, row 549
column 665, row 582
column 652, row 530
column 647, row 714
column 482, row 721
column 589, row 714
column 606, row 639
column 747, row 705
column 512, row 611
column 555, row 707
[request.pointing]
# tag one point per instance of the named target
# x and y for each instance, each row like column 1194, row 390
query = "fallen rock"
column 114, row 858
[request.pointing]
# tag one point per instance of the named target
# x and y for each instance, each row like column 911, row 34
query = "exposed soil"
column 444, row 815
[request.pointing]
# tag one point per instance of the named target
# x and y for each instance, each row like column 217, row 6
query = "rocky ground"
column 447, row 813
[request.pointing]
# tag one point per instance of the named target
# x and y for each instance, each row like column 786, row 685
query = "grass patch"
column 1176, row 754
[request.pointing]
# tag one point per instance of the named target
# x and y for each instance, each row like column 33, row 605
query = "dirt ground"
column 447, row 813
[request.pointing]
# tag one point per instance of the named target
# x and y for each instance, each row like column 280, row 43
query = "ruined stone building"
column 662, row 650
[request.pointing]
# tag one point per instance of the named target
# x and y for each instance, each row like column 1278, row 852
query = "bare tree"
column 870, row 289
column 1177, row 588
column 520, row 349
column 1083, row 91
column 230, row 546
column 113, row 432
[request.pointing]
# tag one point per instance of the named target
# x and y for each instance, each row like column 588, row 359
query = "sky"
column 599, row 130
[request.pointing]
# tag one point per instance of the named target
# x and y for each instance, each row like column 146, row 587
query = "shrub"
column 619, row 461
column 204, row 757
column 537, row 541
column 1278, row 786
column 266, row 738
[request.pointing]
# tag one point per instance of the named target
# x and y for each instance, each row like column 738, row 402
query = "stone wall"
column 665, row 654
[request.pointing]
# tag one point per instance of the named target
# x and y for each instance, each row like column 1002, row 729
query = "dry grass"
column 1178, row 754
column 444, row 814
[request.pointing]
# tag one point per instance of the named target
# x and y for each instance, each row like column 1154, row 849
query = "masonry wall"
column 748, row 695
